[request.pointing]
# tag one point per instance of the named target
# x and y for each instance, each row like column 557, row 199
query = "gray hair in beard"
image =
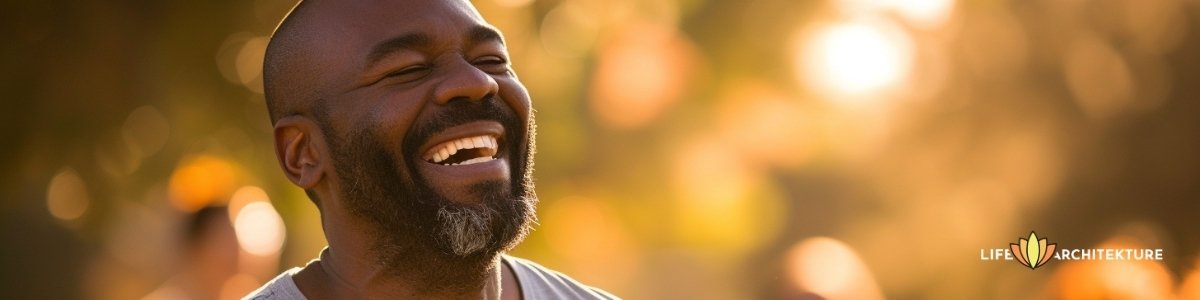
column 466, row 231
column 469, row 229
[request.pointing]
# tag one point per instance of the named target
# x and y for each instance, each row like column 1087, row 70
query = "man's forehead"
column 338, row 37
column 373, row 18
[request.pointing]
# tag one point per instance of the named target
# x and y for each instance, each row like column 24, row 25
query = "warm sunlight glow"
column 925, row 12
column 243, row 196
column 721, row 201
column 201, row 181
column 259, row 229
column 591, row 235
column 640, row 74
column 1098, row 78
column 752, row 116
column 67, row 197
column 854, row 58
column 831, row 270
column 249, row 63
column 921, row 13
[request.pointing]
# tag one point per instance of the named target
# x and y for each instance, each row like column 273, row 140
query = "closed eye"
column 411, row 70
column 405, row 75
column 492, row 64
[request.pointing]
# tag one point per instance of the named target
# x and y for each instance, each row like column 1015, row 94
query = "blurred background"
column 689, row 149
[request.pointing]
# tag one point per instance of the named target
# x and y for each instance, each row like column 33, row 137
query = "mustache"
column 461, row 112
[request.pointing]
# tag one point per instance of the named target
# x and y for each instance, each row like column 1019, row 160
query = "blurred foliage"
column 688, row 149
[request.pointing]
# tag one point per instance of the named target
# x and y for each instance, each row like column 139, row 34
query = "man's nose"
column 464, row 81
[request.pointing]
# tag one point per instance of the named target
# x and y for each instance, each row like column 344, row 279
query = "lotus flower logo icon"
column 1033, row 252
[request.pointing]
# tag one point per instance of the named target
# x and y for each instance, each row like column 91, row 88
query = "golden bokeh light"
column 67, row 196
column 641, row 73
column 569, row 30
column 853, row 60
column 993, row 45
column 200, row 181
column 243, row 196
column 114, row 155
column 722, row 202
column 1122, row 279
column 713, row 176
column 1098, row 78
column 1154, row 27
column 145, row 130
column 260, row 230
column 829, row 269
column 767, row 127
column 249, row 63
column 240, row 59
column 920, row 13
column 925, row 13
column 591, row 237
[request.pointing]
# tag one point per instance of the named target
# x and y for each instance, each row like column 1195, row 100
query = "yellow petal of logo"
column 1033, row 252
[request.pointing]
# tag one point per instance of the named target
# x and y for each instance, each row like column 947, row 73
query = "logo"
column 1033, row 252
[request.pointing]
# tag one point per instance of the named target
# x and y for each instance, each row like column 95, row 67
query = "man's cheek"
column 515, row 96
column 396, row 116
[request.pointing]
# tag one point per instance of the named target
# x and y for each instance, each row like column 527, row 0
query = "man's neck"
column 355, row 266
column 328, row 279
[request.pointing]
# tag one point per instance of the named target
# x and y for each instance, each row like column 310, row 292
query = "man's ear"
column 301, row 150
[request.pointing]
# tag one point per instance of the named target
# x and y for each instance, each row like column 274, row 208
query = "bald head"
column 324, row 47
column 286, row 80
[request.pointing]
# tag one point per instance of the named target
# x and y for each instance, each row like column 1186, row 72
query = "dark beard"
column 419, row 228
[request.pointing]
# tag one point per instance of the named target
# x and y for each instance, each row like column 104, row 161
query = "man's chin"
column 497, row 223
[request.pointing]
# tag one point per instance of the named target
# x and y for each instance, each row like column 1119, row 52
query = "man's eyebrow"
column 480, row 34
column 404, row 41
column 477, row 34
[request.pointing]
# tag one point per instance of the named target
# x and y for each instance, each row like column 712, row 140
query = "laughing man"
column 406, row 126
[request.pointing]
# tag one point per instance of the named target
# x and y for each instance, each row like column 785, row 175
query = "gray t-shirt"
column 537, row 282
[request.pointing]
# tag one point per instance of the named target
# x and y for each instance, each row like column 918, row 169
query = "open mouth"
column 457, row 159
column 464, row 151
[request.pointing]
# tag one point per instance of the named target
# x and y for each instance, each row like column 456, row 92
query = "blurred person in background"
column 211, row 257
column 404, row 123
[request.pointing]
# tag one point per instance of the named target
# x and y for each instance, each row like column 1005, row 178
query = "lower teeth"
column 473, row 161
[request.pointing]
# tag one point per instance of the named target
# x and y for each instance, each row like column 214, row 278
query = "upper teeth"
column 442, row 151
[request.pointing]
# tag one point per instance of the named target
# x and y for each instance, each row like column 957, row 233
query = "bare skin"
column 389, row 65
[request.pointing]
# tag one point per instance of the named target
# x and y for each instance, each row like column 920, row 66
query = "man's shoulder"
column 539, row 282
column 283, row 287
